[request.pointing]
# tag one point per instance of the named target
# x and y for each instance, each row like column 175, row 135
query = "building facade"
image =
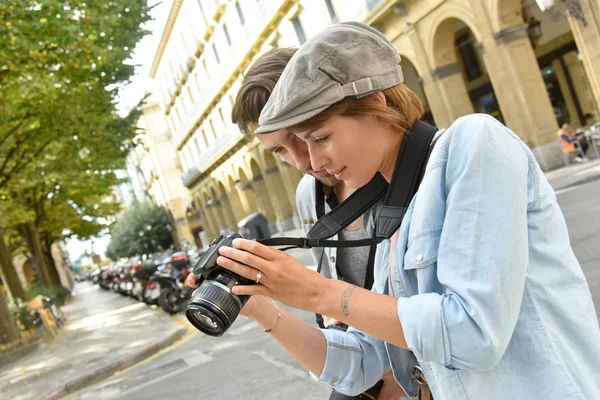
column 154, row 171
column 532, row 70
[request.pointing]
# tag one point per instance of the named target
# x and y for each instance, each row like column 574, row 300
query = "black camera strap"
column 408, row 173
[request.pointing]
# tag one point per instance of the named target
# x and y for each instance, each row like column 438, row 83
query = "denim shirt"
column 492, row 301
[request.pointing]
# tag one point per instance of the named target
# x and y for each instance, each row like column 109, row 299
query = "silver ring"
column 258, row 276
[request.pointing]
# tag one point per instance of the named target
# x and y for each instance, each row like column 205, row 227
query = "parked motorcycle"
column 141, row 276
column 159, row 279
column 167, row 287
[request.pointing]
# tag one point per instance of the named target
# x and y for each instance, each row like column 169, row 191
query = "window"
column 205, row 69
column 221, row 115
column 212, row 126
column 240, row 14
column 188, row 153
column 226, row 32
column 198, row 153
column 183, row 160
column 178, row 120
column 202, row 12
column 332, row 15
column 299, row 29
column 204, row 138
column 464, row 44
column 189, row 92
column 216, row 53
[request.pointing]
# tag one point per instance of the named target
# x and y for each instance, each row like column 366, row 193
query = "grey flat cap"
column 346, row 59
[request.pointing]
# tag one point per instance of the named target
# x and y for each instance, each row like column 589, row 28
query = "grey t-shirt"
column 352, row 261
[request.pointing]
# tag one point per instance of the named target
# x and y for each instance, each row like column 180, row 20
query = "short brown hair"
column 402, row 110
column 257, row 86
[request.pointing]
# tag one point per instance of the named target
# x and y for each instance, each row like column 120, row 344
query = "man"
column 569, row 142
column 348, row 264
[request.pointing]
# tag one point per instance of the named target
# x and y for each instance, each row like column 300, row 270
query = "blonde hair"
column 402, row 110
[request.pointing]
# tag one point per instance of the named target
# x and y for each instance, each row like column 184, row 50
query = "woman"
column 479, row 282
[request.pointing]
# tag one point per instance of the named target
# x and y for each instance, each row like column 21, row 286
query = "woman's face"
column 353, row 149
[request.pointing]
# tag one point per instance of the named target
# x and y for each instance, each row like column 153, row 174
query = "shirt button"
column 335, row 379
column 419, row 257
column 430, row 368
column 331, row 259
column 398, row 281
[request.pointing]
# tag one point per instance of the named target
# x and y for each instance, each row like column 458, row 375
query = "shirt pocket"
column 420, row 260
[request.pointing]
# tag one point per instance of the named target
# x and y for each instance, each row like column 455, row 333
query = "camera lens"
column 212, row 308
column 205, row 319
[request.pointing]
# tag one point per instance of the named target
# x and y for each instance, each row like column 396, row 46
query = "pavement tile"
column 105, row 333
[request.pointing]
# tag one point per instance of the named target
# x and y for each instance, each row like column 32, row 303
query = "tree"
column 144, row 228
column 12, row 281
column 9, row 332
column 61, row 64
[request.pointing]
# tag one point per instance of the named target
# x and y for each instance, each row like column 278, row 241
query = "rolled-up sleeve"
column 483, row 252
column 355, row 361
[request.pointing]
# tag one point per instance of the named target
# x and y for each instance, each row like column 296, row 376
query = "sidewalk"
column 105, row 333
column 574, row 174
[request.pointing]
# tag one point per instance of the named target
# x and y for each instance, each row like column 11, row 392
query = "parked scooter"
column 159, row 279
column 172, row 297
column 141, row 276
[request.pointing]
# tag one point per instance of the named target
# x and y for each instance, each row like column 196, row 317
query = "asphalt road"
column 581, row 208
column 247, row 364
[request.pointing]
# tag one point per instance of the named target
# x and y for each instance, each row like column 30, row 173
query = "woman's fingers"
column 239, row 268
column 251, row 290
column 244, row 257
column 258, row 249
column 191, row 280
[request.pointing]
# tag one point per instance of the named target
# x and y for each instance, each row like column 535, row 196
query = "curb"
column 108, row 370
column 21, row 351
column 576, row 182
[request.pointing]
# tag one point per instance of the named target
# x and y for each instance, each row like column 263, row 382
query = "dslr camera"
column 213, row 308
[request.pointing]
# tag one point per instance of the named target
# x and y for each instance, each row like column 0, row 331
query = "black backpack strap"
column 319, row 199
column 307, row 243
column 350, row 209
column 370, row 278
column 405, row 182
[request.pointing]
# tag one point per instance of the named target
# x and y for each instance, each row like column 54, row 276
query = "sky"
column 143, row 55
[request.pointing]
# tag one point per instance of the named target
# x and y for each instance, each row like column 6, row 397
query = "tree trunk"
column 9, row 332
column 13, row 283
column 38, row 255
column 52, row 270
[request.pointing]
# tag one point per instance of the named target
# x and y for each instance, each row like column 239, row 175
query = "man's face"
column 294, row 151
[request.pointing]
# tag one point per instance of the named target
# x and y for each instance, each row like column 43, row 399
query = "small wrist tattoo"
column 346, row 299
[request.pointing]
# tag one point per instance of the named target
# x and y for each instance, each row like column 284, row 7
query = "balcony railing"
column 222, row 144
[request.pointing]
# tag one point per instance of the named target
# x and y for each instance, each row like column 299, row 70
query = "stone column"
column 263, row 200
column 521, row 92
column 237, row 207
column 452, row 90
column 587, row 38
column 290, row 220
column 278, row 197
column 212, row 226
column 437, row 104
column 566, row 91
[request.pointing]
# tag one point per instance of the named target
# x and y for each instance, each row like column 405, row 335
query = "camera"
column 213, row 308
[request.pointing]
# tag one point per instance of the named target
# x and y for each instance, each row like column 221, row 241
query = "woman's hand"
column 282, row 277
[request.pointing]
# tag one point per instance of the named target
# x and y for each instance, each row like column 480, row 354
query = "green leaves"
column 60, row 135
column 143, row 229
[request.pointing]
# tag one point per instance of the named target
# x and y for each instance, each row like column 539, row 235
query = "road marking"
column 281, row 365
column 192, row 359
